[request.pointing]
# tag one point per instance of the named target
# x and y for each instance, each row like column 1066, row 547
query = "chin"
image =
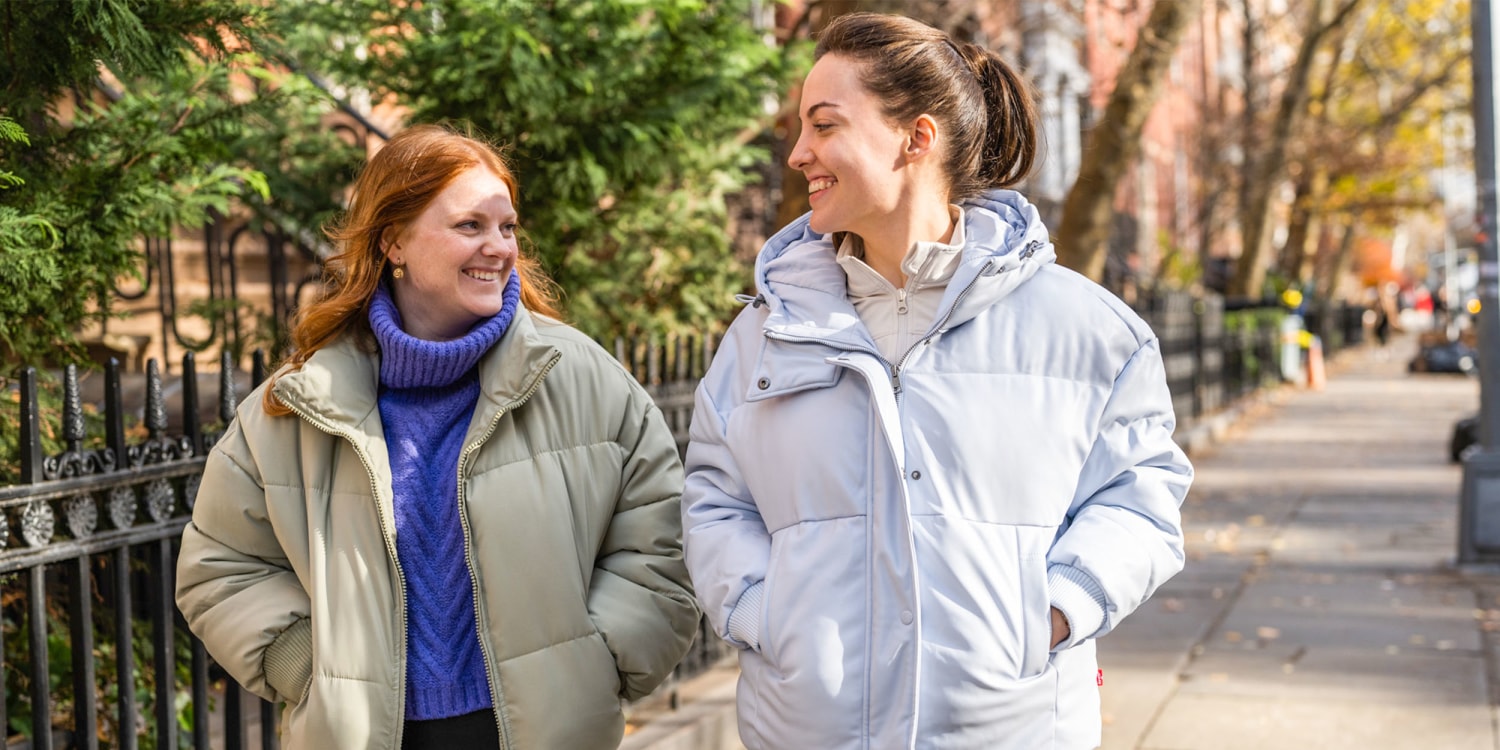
column 822, row 224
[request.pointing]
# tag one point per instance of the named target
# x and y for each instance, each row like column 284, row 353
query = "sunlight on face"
column 458, row 256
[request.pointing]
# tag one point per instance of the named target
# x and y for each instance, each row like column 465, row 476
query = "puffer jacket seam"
column 1088, row 382
column 966, row 519
column 532, row 457
column 1114, row 381
column 278, row 562
column 593, row 633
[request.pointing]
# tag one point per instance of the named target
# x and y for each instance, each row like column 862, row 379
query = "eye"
column 468, row 225
column 822, row 126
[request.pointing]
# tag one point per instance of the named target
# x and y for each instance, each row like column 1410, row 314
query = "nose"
column 501, row 243
column 801, row 156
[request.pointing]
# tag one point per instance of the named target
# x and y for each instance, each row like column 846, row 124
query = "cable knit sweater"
column 427, row 394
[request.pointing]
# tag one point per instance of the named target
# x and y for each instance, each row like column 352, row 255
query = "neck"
column 885, row 248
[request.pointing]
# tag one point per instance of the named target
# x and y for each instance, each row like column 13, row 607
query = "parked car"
column 1447, row 356
column 1465, row 438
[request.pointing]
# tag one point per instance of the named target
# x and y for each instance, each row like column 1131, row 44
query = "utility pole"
column 1479, row 498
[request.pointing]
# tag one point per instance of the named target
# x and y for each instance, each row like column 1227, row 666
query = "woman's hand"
column 1060, row 629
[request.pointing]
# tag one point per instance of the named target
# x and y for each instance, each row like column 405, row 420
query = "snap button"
column 916, row 474
column 906, row 617
column 764, row 383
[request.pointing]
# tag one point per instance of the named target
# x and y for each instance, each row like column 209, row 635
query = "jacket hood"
column 800, row 280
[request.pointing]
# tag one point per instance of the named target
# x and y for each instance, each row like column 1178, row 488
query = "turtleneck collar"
column 410, row 362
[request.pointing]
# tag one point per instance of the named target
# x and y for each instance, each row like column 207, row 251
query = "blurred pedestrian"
column 449, row 520
column 928, row 467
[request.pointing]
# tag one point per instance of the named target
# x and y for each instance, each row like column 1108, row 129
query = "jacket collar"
column 339, row 384
column 806, row 290
column 926, row 264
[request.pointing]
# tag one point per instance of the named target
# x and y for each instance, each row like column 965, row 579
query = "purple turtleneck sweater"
column 427, row 394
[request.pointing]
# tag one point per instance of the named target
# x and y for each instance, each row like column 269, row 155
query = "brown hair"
column 395, row 187
column 985, row 108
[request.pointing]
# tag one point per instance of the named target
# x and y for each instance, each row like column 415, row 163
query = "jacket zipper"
column 496, row 692
column 896, row 368
column 390, row 549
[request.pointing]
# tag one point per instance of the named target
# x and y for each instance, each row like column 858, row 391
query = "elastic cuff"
column 1079, row 597
column 744, row 620
column 288, row 661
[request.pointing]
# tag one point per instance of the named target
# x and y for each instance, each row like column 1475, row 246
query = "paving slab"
column 1225, row 722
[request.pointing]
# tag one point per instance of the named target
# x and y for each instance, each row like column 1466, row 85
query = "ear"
column 390, row 245
column 922, row 139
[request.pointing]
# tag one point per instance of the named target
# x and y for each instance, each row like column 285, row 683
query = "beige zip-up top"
column 898, row 318
column 569, row 484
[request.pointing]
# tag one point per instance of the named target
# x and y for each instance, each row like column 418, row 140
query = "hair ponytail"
column 985, row 109
column 1010, row 134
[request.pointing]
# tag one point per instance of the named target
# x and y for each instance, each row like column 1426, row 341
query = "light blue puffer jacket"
column 885, row 540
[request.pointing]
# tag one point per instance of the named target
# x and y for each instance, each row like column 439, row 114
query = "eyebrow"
column 814, row 108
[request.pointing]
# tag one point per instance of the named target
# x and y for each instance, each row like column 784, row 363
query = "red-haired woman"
column 448, row 520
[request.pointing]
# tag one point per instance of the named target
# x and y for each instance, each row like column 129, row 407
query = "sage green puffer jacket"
column 569, row 484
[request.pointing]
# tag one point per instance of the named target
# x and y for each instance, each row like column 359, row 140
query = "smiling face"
column 851, row 154
column 457, row 256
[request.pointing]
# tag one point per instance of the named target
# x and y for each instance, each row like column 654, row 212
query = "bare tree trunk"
column 1114, row 145
column 1303, row 224
column 1250, row 273
column 1248, row 119
column 1327, row 279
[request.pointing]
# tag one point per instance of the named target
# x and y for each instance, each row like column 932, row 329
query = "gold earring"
column 398, row 273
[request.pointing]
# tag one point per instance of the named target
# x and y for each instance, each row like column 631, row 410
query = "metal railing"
column 87, row 590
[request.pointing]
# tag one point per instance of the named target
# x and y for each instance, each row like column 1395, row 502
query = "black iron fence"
column 1214, row 357
column 94, row 652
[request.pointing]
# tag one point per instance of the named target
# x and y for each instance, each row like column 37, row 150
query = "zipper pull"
column 896, row 379
column 901, row 301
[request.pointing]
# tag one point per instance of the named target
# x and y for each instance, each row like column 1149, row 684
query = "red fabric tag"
column 1099, row 678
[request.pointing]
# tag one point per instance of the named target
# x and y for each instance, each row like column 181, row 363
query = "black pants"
column 477, row 730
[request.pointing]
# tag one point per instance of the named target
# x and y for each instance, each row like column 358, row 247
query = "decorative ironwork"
column 37, row 523
column 75, row 461
column 77, row 464
column 122, row 507
column 82, row 515
column 160, row 500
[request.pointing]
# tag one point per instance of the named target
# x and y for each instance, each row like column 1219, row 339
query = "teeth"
column 816, row 185
column 483, row 275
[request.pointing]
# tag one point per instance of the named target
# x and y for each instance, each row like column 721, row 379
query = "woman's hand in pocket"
column 1060, row 629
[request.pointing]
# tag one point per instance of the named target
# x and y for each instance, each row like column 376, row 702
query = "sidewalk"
column 1320, row 607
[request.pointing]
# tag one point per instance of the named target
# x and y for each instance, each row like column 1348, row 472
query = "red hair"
column 396, row 186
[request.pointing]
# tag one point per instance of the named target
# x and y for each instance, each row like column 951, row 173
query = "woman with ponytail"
column 448, row 520
column 929, row 468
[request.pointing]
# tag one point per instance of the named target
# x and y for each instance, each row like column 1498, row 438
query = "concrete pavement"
column 1320, row 607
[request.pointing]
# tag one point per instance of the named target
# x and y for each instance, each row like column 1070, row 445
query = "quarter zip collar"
column 925, row 265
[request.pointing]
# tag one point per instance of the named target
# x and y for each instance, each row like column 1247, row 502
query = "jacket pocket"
column 1037, row 604
column 767, row 632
